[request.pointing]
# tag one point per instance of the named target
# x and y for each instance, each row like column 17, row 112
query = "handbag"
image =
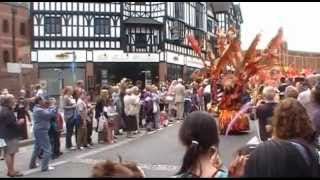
column 169, row 98
column 155, row 107
column 77, row 119
column 111, row 111
column 101, row 123
column 2, row 143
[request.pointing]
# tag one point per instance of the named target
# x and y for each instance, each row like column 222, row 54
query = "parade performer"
column 233, row 69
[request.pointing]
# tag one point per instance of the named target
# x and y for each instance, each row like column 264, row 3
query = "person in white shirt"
column 39, row 91
column 305, row 97
column 170, row 100
column 136, row 96
column 207, row 93
column 131, row 109
column 179, row 99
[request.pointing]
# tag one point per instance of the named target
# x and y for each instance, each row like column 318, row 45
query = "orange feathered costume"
column 248, row 65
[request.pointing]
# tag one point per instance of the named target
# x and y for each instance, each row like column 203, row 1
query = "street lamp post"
column 74, row 65
column 147, row 75
column 60, row 77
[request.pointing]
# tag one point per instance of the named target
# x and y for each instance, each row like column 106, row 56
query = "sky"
column 300, row 22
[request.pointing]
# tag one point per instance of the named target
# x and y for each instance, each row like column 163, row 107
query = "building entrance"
column 112, row 73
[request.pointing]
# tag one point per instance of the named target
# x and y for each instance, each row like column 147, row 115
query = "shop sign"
column 120, row 56
column 62, row 56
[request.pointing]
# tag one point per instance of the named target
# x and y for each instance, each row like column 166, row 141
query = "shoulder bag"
column 2, row 143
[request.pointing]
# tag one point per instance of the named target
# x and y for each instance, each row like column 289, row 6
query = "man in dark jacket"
column 9, row 132
column 264, row 113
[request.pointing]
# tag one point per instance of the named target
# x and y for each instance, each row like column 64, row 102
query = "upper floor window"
column 5, row 26
column 176, row 31
column 6, row 56
column 179, row 10
column 139, row 3
column 52, row 25
column 210, row 26
column 102, row 26
column 141, row 40
column 23, row 29
column 199, row 15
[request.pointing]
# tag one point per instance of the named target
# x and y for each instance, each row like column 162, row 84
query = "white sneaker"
column 50, row 168
column 89, row 146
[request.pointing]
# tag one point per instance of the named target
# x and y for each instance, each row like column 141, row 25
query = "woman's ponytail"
column 190, row 157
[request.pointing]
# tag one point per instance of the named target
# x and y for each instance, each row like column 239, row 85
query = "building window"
column 199, row 15
column 5, row 26
column 102, row 26
column 176, row 31
column 188, row 73
column 175, row 71
column 141, row 41
column 210, row 27
column 179, row 10
column 52, row 25
column 6, row 56
column 155, row 40
column 139, row 3
column 23, row 29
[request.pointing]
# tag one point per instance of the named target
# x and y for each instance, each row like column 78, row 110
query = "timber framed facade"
column 109, row 38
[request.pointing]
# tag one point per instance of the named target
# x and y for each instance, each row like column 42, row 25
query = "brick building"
column 300, row 59
column 14, row 41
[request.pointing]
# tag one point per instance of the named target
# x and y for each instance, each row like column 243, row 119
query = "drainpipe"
column 14, row 12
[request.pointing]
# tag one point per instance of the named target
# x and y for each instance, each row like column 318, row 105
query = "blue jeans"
column 41, row 145
column 70, row 126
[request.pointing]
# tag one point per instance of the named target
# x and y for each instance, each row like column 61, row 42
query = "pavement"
column 158, row 153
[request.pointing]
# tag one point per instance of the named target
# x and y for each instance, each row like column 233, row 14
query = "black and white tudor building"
column 112, row 40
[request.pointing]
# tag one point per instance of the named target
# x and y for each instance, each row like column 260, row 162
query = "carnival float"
column 236, row 72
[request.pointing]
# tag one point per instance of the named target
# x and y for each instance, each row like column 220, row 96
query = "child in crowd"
column 55, row 130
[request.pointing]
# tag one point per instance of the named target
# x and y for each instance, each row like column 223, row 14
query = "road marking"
column 107, row 147
column 152, row 132
column 154, row 167
column 254, row 140
column 83, row 155
column 39, row 170
column 99, row 150
column 159, row 167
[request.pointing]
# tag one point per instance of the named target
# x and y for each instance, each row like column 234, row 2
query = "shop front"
column 55, row 76
column 111, row 73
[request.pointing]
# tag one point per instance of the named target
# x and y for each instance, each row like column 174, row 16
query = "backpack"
column 148, row 106
column 311, row 155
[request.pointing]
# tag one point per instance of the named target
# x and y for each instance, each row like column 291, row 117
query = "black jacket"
column 9, row 128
